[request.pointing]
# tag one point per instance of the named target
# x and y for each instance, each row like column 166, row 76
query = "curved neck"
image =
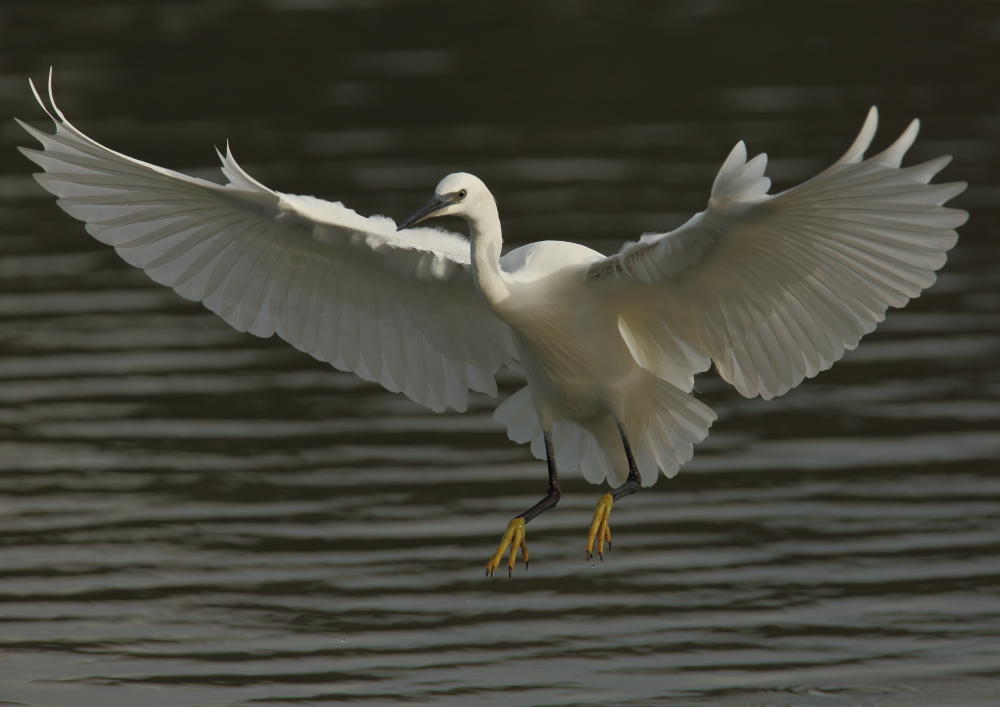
column 487, row 239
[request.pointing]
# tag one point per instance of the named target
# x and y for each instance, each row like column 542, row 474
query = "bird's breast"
column 573, row 354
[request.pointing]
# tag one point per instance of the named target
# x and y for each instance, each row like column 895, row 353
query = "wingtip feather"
column 856, row 152
column 38, row 98
column 893, row 155
column 32, row 131
column 736, row 158
column 31, row 154
column 52, row 99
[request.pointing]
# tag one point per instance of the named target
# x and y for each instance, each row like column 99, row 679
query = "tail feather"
column 604, row 456
column 674, row 422
column 663, row 425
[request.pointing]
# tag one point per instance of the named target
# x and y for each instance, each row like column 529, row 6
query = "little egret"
column 772, row 289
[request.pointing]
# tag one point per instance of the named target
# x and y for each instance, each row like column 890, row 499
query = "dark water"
column 190, row 516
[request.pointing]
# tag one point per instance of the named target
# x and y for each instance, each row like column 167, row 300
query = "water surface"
column 191, row 516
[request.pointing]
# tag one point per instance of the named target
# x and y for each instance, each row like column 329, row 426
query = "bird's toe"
column 512, row 542
column 600, row 528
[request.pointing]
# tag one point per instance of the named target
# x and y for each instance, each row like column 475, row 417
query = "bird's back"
column 535, row 261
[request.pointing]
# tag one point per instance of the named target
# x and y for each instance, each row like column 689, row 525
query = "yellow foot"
column 599, row 528
column 514, row 539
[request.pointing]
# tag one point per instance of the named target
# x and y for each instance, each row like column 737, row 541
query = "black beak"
column 428, row 210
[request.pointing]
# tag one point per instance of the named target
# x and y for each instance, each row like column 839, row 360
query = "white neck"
column 487, row 239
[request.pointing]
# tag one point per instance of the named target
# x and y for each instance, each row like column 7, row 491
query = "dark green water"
column 191, row 516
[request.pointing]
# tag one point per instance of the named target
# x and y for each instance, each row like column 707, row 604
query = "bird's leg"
column 513, row 537
column 600, row 530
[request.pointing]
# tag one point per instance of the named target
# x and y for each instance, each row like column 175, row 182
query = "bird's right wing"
column 774, row 289
column 399, row 308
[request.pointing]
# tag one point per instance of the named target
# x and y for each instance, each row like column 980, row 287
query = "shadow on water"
column 192, row 516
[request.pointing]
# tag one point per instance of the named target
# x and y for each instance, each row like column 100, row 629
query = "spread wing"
column 774, row 289
column 399, row 308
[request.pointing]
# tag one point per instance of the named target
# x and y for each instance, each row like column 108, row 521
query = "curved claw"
column 600, row 530
column 514, row 539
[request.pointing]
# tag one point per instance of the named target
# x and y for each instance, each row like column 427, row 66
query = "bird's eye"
column 462, row 193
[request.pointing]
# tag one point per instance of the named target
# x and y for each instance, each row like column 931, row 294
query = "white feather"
column 775, row 289
column 316, row 273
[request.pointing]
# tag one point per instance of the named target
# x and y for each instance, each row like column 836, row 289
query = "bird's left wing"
column 399, row 308
column 774, row 289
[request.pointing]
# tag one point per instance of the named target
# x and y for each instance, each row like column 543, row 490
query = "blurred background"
column 192, row 516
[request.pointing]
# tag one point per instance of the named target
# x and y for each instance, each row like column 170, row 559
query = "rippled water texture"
column 191, row 516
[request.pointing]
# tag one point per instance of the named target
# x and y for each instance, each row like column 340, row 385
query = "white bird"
column 772, row 289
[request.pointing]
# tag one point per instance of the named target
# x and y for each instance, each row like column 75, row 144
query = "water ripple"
column 191, row 516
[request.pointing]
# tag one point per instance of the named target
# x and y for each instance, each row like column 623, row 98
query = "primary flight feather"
column 771, row 289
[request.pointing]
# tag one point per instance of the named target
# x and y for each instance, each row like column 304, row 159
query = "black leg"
column 552, row 497
column 513, row 537
column 632, row 483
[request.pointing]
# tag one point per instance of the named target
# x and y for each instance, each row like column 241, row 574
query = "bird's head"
column 458, row 194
